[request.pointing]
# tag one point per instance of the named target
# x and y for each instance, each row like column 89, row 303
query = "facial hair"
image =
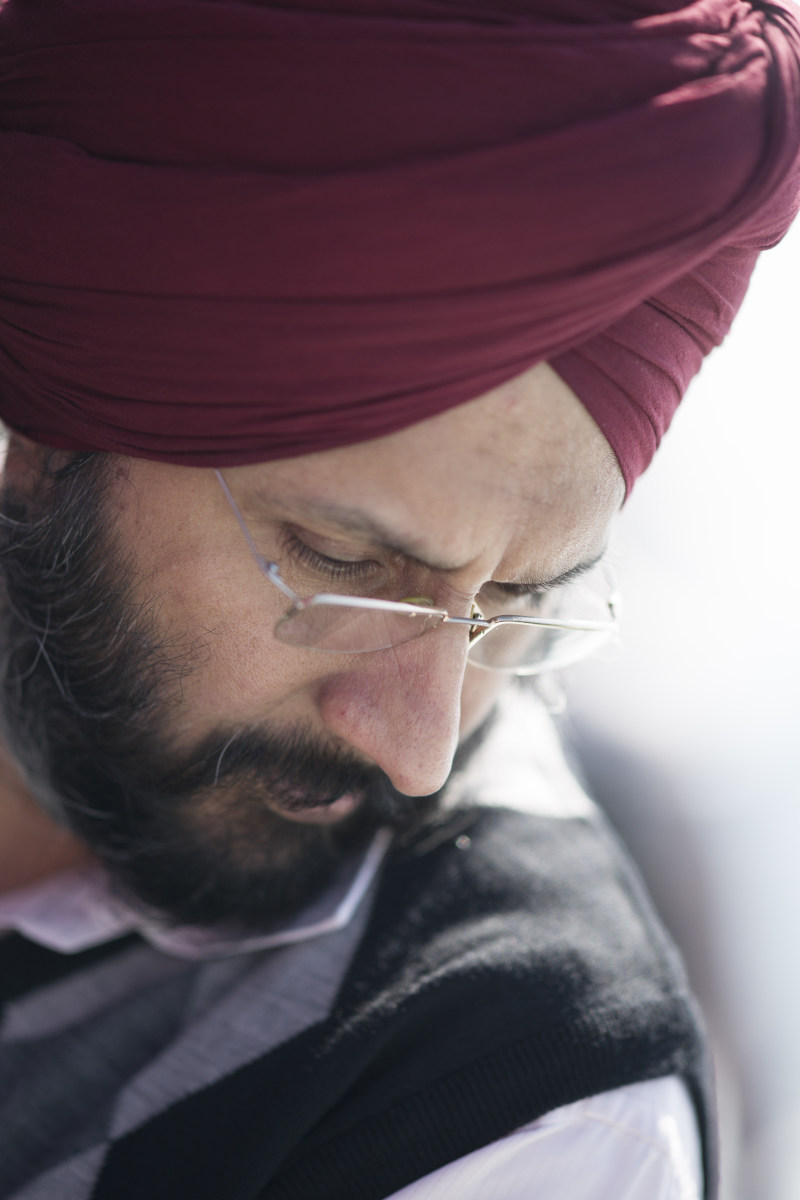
column 90, row 685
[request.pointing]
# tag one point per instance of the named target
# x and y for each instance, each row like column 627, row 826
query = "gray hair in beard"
column 66, row 647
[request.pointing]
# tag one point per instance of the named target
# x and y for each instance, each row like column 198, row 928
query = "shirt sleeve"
column 634, row 1143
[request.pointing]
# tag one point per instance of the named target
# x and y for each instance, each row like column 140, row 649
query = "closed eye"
column 550, row 585
column 519, row 589
column 324, row 564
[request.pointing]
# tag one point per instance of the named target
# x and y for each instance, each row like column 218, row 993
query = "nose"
column 400, row 708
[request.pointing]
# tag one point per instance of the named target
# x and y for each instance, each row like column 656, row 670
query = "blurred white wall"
column 707, row 686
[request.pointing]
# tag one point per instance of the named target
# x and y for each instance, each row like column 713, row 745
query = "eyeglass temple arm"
column 270, row 569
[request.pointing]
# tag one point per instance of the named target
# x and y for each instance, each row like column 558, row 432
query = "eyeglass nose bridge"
column 479, row 625
column 475, row 616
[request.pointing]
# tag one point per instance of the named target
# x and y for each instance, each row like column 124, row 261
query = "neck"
column 32, row 845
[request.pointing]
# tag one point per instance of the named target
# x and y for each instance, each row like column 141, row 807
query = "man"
column 332, row 340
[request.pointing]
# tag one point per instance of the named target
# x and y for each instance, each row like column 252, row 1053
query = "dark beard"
column 88, row 689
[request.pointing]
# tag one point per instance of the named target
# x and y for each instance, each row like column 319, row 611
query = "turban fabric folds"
column 232, row 231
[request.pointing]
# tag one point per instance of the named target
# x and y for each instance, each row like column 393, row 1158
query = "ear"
column 26, row 462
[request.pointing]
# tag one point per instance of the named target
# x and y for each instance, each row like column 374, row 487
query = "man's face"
column 259, row 759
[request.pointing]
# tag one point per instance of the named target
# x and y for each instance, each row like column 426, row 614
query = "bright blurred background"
column 692, row 733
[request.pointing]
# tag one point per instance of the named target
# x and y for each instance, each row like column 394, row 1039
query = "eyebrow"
column 355, row 520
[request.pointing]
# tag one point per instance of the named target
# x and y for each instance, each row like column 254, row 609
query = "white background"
column 707, row 687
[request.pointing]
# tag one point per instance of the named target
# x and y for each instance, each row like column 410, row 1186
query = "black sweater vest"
column 510, row 964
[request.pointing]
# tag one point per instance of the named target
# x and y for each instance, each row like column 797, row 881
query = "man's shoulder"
column 488, row 884
column 510, row 965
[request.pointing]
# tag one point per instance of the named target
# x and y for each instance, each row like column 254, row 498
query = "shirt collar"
column 76, row 910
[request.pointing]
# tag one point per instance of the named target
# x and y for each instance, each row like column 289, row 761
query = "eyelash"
column 335, row 568
column 338, row 568
column 518, row 589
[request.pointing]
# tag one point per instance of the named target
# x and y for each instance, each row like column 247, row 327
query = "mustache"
column 198, row 837
column 292, row 770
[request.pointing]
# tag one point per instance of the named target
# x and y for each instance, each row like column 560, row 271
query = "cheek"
column 478, row 695
column 231, row 668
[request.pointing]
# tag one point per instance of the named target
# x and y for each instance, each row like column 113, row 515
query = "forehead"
column 525, row 460
column 520, row 477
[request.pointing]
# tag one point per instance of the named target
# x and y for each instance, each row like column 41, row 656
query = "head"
column 220, row 773
column 349, row 311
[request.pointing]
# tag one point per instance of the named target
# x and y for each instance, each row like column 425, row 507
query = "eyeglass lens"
column 528, row 649
column 517, row 649
column 341, row 629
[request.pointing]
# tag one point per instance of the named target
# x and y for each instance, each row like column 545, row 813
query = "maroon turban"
column 233, row 231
